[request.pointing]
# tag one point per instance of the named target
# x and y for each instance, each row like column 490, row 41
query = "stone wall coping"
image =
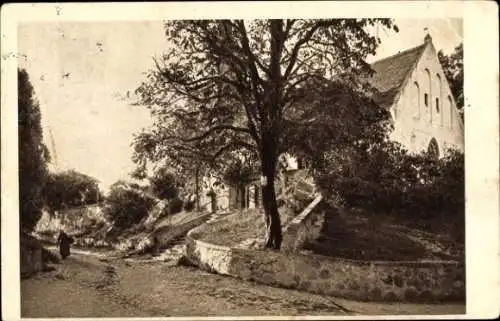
column 299, row 218
column 211, row 245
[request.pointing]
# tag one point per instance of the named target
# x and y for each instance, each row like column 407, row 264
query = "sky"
column 79, row 71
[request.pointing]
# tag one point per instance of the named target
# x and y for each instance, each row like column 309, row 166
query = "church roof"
column 391, row 73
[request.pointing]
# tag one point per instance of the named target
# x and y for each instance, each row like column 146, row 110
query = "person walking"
column 64, row 242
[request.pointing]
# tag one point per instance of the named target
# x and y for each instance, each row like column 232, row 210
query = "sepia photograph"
column 220, row 166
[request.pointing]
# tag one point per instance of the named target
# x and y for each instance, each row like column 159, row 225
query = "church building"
column 412, row 85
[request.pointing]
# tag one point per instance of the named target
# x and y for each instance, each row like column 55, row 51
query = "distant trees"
column 33, row 154
column 453, row 68
column 69, row 189
column 127, row 205
column 227, row 86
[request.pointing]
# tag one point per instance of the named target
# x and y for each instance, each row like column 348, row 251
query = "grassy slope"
column 240, row 226
column 357, row 235
column 352, row 236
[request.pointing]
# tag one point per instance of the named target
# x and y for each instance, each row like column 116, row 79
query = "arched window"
column 450, row 108
column 433, row 148
column 416, row 94
column 439, row 98
column 428, row 102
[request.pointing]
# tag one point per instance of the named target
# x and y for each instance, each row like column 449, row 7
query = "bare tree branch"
column 309, row 34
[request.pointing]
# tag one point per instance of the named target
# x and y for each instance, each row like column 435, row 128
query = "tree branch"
column 246, row 48
column 211, row 131
column 309, row 34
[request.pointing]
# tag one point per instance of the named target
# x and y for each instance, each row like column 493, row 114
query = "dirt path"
column 89, row 286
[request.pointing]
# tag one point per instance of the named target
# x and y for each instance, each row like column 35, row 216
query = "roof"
column 390, row 74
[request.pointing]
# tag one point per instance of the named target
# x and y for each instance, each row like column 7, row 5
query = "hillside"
column 90, row 229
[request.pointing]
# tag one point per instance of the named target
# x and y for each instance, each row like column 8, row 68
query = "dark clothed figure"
column 64, row 242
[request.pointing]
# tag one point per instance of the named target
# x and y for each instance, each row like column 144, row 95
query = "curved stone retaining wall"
column 431, row 281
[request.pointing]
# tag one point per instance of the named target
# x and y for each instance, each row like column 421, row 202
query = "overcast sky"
column 79, row 71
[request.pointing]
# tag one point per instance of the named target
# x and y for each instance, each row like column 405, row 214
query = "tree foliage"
column 229, row 86
column 338, row 120
column 33, row 154
column 164, row 184
column 239, row 173
column 453, row 68
column 69, row 189
column 126, row 205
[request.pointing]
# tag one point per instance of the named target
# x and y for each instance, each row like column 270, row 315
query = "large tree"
column 229, row 86
column 33, row 154
column 453, row 68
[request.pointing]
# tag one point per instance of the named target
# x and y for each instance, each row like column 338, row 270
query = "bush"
column 388, row 179
column 175, row 206
column 127, row 206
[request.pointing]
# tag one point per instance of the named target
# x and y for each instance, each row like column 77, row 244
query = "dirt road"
column 92, row 286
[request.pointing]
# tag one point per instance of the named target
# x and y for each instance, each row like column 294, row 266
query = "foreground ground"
column 92, row 286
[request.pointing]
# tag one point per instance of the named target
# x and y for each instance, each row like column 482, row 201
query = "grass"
column 360, row 236
column 240, row 226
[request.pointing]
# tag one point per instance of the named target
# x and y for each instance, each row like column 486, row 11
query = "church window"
column 433, row 149
column 429, row 96
column 439, row 98
column 417, row 95
column 426, row 100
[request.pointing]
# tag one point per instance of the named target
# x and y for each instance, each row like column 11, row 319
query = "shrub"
column 175, row 206
column 127, row 206
column 388, row 179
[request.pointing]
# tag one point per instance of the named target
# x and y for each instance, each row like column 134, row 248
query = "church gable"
column 424, row 109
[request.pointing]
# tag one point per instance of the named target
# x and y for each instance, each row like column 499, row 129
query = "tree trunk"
column 274, row 236
column 197, row 188
column 273, row 222
column 241, row 198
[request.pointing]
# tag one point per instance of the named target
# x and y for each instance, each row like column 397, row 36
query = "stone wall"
column 30, row 255
column 430, row 281
column 305, row 227
column 210, row 257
